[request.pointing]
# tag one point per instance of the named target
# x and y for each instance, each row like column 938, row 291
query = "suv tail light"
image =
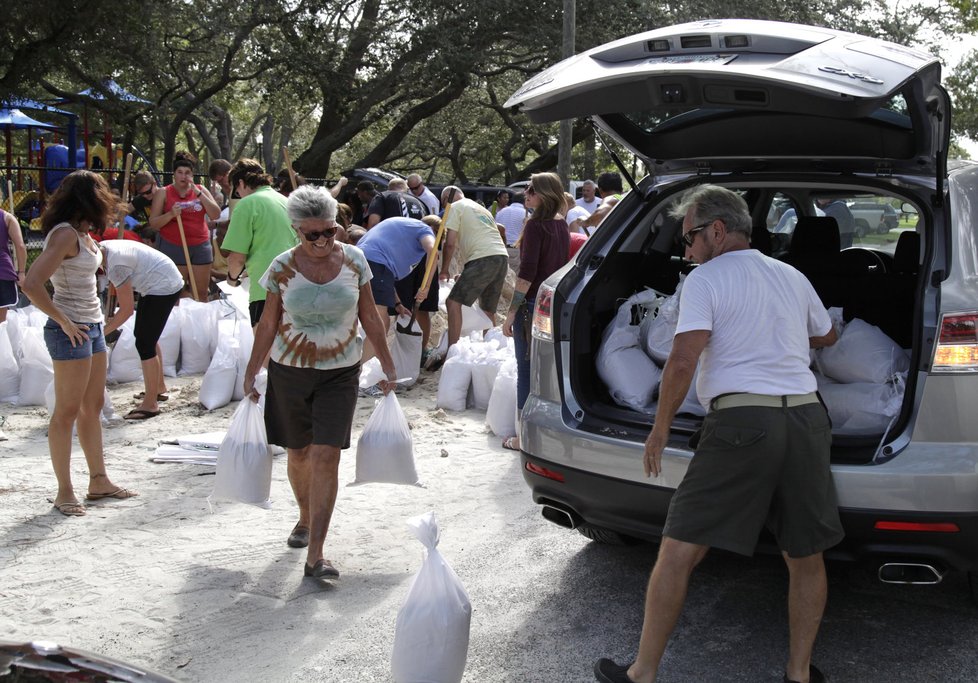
column 957, row 348
column 542, row 327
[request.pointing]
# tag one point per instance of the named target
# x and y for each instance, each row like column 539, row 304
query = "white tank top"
column 75, row 289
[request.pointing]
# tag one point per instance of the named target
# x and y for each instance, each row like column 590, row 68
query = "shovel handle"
column 186, row 256
column 433, row 256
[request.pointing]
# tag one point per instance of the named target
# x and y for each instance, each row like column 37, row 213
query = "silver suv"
column 792, row 117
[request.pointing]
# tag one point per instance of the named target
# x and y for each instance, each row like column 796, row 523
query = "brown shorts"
column 309, row 406
column 757, row 466
column 481, row 279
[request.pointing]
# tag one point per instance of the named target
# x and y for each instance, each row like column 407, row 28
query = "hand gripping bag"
column 431, row 638
column 244, row 461
column 385, row 451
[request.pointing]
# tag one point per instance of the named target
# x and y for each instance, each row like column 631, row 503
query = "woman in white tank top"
column 73, row 333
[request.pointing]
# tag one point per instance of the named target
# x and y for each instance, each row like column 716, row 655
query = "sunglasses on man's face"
column 690, row 235
column 328, row 233
column 414, row 188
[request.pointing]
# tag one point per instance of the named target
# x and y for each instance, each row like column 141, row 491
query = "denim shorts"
column 60, row 348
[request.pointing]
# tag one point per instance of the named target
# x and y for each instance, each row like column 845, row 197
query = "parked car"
column 771, row 110
column 874, row 217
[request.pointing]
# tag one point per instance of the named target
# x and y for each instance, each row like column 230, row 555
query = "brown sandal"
column 70, row 509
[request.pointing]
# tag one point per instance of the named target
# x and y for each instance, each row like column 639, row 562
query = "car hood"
column 742, row 95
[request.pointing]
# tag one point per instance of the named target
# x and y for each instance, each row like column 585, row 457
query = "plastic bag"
column 385, row 450
column 244, row 461
column 657, row 331
column 406, row 352
column 197, row 334
column 9, row 368
column 453, row 384
column 630, row 374
column 501, row 412
column 431, row 638
column 124, row 363
column 217, row 387
column 863, row 408
column 863, row 354
column 36, row 368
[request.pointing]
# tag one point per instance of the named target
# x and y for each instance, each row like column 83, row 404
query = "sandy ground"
column 162, row 581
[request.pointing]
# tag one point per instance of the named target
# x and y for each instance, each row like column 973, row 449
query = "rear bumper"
column 639, row 510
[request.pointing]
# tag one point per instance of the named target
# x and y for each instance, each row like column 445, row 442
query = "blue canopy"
column 16, row 119
column 34, row 105
column 117, row 91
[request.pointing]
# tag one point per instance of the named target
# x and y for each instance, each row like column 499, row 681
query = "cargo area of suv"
column 838, row 143
column 878, row 279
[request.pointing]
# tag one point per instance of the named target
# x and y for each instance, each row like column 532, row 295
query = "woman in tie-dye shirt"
column 317, row 293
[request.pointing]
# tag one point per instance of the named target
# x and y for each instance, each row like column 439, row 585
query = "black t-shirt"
column 393, row 204
column 140, row 208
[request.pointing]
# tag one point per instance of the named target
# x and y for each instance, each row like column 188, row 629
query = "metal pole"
column 565, row 141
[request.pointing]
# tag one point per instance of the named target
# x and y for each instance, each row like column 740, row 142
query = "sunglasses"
column 530, row 191
column 328, row 233
column 414, row 188
column 690, row 236
column 147, row 191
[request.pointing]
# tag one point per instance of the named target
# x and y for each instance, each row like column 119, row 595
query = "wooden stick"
column 125, row 196
column 288, row 165
column 186, row 256
column 10, row 198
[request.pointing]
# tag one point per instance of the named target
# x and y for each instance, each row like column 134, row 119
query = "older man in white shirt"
column 417, row 188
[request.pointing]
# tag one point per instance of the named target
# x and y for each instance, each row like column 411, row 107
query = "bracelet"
column 237, row 278
column 519, row 298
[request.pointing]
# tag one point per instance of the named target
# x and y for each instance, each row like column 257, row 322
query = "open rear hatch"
column 735, row 95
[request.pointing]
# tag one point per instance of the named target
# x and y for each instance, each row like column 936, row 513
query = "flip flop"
column 120, row 494
column 323, row 569
column 139, row 414
column 512, row 444
column 159, row 397
column 70, row 509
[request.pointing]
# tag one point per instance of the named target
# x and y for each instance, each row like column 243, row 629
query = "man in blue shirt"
column 393, row 248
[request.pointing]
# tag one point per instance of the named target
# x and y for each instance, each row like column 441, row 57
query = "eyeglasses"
column 414, row 188
column 690, row 235
column 328, row 233
column 530, row 191
column 145, row 192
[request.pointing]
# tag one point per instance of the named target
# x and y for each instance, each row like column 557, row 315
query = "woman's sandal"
column 323, row 569
column 70, row 509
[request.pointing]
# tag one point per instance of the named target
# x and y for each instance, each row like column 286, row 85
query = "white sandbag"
column 501, row 412
column 406, row 352
column 246, row 341
column 456, row 376
column 36, row 369
column 198, row 330
column 658, row 330
column 217, row 387
column 170, row 342
column 691, row 404
column 385, row 450
column 431, row 638
column 124, row 363
column 244, row 461
column 371, row 373
column 16, row 321
column 483, row 378
column 474, row 320
column 9, row 367
column 36, row 317
column 863, row 353
column 861, row 407
column 630, row 375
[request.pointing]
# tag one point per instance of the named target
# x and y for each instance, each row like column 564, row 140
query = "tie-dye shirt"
column 319, row 322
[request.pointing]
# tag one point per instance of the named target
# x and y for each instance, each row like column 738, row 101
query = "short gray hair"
column 448, row 194
column 712, row 202
column 311, row 201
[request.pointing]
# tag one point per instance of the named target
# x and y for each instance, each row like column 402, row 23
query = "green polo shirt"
column 259, row 229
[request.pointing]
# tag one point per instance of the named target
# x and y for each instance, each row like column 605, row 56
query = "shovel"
column 432, row 257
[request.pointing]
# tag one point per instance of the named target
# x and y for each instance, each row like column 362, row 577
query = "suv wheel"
column 862, row 227
column 606, row 536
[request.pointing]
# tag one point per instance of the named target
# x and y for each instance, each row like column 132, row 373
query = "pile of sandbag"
column 861, row 378
column 468, row 377
column 26, row 369
column 634, row 348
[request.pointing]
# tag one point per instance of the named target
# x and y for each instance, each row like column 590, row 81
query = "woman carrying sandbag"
column 544, row 246
column 73, row 333
column 137, row 267
column 317, row 293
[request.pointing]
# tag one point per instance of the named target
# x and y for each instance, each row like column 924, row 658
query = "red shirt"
column 113, row 233
column 543, row 249
column 577, row 241
column 194, row 225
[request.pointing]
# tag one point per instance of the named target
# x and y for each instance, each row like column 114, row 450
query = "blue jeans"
column 521, row 333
